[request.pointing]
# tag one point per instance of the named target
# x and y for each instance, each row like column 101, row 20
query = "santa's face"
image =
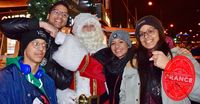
column 88, row 28
column 91, row 37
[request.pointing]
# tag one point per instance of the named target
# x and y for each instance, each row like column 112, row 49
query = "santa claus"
column 75, row 54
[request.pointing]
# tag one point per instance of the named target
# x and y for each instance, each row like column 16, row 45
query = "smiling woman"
column 155, row 58
column 119, row 42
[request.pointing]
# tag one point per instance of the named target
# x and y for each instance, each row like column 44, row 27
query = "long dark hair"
column 146, row 67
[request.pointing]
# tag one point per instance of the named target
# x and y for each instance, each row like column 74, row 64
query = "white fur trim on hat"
column 83, row 18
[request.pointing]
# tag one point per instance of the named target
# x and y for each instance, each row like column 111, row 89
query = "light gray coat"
column 130, row 86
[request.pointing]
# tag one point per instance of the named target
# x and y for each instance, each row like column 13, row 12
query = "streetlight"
column 171, row 25
column 150, row 3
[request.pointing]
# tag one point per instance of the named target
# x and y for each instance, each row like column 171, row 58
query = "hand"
column 160, row 59
column 66, row 96
column 49, row 28
column 183, row 51
column 65, row 30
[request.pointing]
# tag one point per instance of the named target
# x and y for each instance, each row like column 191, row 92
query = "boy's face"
column 35, row 51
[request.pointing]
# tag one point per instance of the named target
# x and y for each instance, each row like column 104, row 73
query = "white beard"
column 93, row 41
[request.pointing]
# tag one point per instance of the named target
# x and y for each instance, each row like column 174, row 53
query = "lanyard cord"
column 36, row 82
column 31, row 81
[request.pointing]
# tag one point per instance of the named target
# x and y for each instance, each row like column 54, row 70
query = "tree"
column 39, row 8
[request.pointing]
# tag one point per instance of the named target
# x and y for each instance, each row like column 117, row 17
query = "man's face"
column 58, row 16
column 88, row 28
column 91, row 37
column 35, row 51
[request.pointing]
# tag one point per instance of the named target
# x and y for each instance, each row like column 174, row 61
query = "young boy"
column 24, row 81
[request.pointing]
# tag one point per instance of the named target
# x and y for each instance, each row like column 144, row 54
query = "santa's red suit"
column 89, row 77
column 90, row 69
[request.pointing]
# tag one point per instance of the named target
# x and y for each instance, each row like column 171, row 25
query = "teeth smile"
column 118, row 50
column 149, row 41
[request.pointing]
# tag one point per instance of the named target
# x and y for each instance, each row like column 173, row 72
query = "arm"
column 122, row 94
column 161, row 61
column 60, row 38
column 49, row 28
column 191, row 66
column 13, row 28
column 73, row 56
column 91, row 68
column 6, row 82
column 195, row 94
column 70, row 53
column 61, row 76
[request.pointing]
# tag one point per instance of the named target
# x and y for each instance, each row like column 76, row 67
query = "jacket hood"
column 15, row 61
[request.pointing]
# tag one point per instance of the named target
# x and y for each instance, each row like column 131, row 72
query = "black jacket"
column 12, row 28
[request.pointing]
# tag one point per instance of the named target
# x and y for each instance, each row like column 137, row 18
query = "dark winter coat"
column 15, row 88
column 13, row 28
column 113, row 70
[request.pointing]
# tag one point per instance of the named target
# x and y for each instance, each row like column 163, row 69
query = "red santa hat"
column 82, row 19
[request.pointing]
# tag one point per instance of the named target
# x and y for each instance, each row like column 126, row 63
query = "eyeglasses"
column 149, row 32
column 57, row 12
column 38, row 45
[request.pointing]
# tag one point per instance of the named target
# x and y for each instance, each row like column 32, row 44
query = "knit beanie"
column 149, row 20
column 120, row 34
column 83, row 18
column 31, row 35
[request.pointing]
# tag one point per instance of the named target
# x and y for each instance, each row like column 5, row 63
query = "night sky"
column 184, row 14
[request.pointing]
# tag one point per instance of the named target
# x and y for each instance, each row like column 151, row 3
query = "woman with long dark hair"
column 153, row 55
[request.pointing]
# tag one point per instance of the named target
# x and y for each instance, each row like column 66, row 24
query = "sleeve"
column 122, row 94
column 61, row 76
column 91, row 68
column 60, row 38
column 12, row 28
column 104, row 55
column 5, row 89
column 70, row 54
column 195, row 94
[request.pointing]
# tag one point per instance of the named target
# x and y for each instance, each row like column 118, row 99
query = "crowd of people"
column 81, row 68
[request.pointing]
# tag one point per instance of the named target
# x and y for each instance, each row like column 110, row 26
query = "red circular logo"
column 178, row 78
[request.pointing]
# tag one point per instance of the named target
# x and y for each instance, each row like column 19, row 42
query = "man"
column 77, row 56
column 57, row 16
column 24, row 81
